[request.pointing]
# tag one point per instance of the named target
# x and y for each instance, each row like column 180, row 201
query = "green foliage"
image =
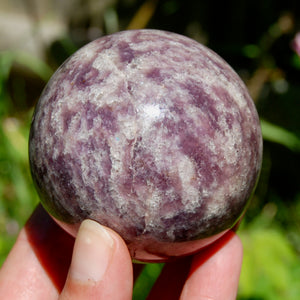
column 17, row 193
column 270, row 266
column 146, row 280
column 280, row 135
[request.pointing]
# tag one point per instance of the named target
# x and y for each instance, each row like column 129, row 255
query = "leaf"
column 33, row 63
column 270, row 266
column 146, row 280
column 276, row 134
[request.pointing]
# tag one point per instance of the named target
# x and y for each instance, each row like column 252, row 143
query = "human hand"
column 41, row 266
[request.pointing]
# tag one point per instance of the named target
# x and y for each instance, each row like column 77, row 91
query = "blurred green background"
column 258, row 38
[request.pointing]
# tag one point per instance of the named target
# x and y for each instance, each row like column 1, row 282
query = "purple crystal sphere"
column 151, row 134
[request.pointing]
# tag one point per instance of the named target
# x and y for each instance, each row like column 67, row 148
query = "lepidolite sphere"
column 151, row 134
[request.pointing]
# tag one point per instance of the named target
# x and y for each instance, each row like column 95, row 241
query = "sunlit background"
column 258, row 38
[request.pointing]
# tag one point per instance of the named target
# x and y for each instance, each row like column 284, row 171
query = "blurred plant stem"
column 274, row 133
column 143, row 15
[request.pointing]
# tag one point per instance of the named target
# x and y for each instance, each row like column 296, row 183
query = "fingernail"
column 92, row 252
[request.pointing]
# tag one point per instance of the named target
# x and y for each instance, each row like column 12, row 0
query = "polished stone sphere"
column 151, row 134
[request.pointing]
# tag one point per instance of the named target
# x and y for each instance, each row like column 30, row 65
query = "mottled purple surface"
column 149, row 133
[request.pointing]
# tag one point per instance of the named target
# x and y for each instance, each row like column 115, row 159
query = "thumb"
column 101, row 266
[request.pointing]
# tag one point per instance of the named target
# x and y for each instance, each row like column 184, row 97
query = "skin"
column 45, row 260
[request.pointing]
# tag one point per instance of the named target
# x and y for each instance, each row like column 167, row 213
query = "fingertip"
column 100, row 265
column 92, row 254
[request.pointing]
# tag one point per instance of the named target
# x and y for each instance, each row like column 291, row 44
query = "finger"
column 215, row 273
column 101, row 266
column 171, row 280
column 38, row 263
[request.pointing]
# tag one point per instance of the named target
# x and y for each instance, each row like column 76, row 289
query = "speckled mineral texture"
column 149, row 133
